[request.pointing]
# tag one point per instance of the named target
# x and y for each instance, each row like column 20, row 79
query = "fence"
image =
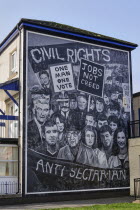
column 9, row 188
column 137, row 188
column 134, row 129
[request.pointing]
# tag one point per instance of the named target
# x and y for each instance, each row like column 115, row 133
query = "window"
column 13, row 61
column 8, row 160
column 13, row 124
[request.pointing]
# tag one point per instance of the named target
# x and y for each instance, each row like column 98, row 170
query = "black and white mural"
column 78, row 107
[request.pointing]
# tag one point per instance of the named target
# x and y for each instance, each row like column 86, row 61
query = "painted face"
column 51, row 135
column 109, row 82
column 41, row 112
column 101, row 123
column 89, row 138
column 64, row 106
column 114, row 96
column 106, row 100
column 117, row 83
column 60, row 126
column 121, row 140
column 99, row 106
column 114, row 112
column 82, row 103
column 73, row 104
column 73, row 138
column 107, row 139
column 92, row 105
column 113, row 126
column 44, row 79
column 90, row 120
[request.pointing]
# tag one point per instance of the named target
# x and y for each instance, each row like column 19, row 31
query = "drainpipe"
column 19, row 136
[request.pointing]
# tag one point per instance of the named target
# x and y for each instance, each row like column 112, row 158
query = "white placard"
column 62, row 77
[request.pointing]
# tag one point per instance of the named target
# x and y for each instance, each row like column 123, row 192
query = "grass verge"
column 120, row 206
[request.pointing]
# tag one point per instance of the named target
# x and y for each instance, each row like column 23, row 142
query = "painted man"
column 50, row 145
column 106, row 140
column 81, row 110
column 44, row 79
column 64, row 109
column 41, row 112
column 75, row 151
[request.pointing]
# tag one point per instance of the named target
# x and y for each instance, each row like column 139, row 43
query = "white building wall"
column 7, row 75
column 5, row 62
column 5, row 71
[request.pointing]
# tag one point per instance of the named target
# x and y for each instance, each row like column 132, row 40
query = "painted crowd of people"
column 77, row 127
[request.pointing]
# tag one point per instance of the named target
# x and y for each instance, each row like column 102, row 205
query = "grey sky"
column 119, row 19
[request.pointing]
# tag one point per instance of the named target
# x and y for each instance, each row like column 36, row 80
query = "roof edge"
column 136, row 94
column 74, row 30
column 66, row 29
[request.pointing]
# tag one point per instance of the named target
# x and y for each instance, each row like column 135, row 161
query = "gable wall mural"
column 78, row 107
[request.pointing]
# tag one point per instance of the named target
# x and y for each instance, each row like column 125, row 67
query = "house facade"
column 66, row 100
column 136, row 105
column 134, row 147
column 9, row 65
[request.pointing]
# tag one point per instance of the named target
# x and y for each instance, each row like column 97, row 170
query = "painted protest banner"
column 62, row 77
column 57, row 174
column 91, row 78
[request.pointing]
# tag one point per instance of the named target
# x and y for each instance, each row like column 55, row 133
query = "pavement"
column 75, row 203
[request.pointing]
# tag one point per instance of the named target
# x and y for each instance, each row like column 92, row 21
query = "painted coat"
column 34, row 138
column 85, row 155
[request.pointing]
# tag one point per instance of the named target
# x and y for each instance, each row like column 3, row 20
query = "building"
column 62, row 88
column 136, row 105
column 134, row 146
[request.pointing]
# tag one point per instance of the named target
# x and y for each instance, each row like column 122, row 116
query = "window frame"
column 13, row 61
